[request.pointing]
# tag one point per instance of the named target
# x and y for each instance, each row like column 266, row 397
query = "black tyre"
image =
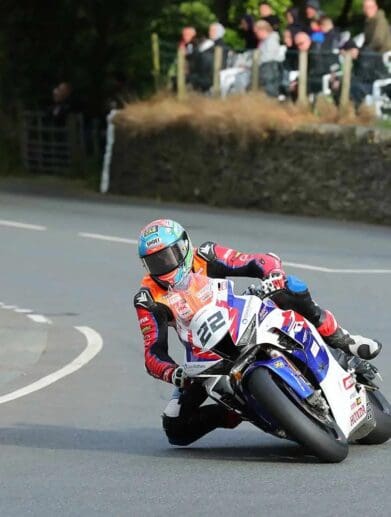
column 328, row 444
column 381, row 412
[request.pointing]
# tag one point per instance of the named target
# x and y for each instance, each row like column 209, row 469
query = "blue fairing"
column 284, row 370
column 313, row 353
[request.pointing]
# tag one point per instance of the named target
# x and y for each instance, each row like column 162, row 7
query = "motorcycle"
column 273, row 368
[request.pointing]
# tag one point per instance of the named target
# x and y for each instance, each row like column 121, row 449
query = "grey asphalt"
column 91, row 444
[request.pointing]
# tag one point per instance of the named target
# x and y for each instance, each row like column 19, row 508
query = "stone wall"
column 330, row 171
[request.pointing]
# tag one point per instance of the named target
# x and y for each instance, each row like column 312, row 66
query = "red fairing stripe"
column 149, row 328
column 266, row 262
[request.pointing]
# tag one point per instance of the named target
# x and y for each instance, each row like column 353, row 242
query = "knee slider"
column 175, row 431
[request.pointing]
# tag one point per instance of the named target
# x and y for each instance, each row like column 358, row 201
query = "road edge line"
column 94, row 346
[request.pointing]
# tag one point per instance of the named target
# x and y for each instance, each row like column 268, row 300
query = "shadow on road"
column 241, row 445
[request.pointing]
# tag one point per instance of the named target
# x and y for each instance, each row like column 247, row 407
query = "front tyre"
column 328, row 445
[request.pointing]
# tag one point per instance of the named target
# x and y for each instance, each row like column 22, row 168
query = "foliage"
column 177, row 15
column 240, row 7
column 91, row 42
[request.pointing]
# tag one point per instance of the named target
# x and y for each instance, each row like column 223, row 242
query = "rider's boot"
column 362, row 347
column 337, row 337
column 296, row 296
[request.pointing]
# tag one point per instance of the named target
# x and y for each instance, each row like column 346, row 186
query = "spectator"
column 377, row 31
column 302, row 41
column 270, row 70
column 312, row 10
column 332, row 35
column 319, row 63
column 367, row 68
column 267, row 14
column 246, row 27
column 290, row 66
column 293, row 22
column 216, row 34
column 187, row 40
column 291, row 61
column 200, row 64
column 63, row 103
column 316, row 33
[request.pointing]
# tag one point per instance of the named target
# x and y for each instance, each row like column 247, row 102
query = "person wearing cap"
column 312, row 10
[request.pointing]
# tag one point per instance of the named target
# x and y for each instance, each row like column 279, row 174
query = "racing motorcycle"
column 272, row 367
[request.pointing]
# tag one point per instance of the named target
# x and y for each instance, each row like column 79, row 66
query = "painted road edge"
column 94, row 346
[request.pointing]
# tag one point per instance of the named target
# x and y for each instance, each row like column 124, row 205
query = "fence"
column 56, row 149
column 339, row 81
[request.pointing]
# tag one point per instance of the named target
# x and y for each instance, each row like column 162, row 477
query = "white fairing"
column 347, row 403
column 212, row 310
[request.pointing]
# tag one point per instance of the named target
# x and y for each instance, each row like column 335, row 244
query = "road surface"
column 89, row 442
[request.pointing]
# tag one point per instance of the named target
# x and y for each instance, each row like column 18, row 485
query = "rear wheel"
column 325, row 441
column 381, row 412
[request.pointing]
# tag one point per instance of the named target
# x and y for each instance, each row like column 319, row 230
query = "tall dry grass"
column 241, row 115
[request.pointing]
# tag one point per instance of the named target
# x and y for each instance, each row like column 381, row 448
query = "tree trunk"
column 221, row 8
column 343, row 19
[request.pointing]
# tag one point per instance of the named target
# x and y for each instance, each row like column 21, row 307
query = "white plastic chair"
column 359, row 39
column 387, row 60
column 378, row 99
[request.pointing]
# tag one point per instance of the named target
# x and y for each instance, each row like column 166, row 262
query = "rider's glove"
column 179, row 377
column 271, row 284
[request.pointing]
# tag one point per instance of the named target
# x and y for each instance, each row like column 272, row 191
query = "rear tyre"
column 381, row 412
column 327, row 443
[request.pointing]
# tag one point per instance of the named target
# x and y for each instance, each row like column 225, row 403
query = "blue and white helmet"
column 166, row 251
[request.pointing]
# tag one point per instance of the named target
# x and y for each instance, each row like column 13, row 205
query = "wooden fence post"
column 217, row 65
column 346, row 82
column 303, row 73
column 255, row 70
column 155, row 60
column 180, row 76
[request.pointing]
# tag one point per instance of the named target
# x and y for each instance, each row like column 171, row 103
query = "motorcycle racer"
column 169, row 257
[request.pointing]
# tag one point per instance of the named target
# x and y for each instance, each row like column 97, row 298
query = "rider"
column 169, row 257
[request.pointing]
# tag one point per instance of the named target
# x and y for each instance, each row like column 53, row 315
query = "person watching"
column 376, row 30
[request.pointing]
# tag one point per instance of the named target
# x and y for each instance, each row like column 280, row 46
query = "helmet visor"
column 166, row 260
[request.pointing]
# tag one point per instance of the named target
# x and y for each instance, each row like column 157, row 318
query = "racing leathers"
column 184, row 420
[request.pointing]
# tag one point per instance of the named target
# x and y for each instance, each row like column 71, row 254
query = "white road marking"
column 94, row 346
column 38, row 318
column 24, row 226
column 337, row 270
column 297, row 265
column 110, row 238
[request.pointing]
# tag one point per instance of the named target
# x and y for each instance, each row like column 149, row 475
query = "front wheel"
column 328, row 444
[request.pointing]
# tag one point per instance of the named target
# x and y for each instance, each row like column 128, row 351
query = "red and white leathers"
column 218, row 261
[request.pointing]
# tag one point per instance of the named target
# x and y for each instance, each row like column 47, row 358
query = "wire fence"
column 344, row 76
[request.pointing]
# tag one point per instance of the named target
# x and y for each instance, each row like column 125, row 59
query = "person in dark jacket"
column 294, row 23
column 246, row 27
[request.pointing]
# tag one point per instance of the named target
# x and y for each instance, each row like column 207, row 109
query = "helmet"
column 166, row 252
